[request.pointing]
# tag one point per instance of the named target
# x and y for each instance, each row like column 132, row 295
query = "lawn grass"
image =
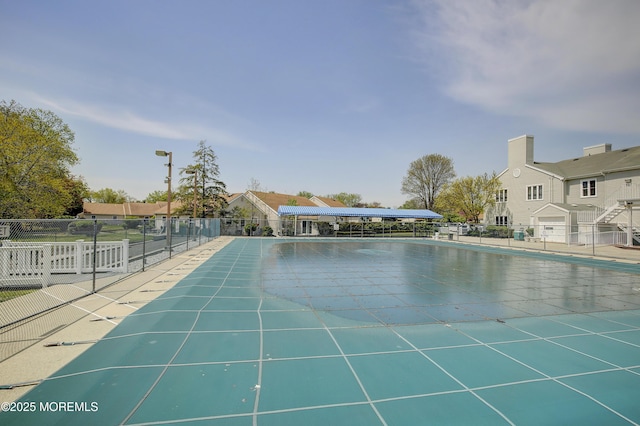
column 107, row 233
column 10, row 294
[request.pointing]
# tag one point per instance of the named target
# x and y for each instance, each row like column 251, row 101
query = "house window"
column 501, row 220
column 534, row 192
column 589, row 188
column 501, row 196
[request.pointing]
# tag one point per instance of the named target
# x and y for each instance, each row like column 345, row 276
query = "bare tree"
column 426, row 177
column 255, row 185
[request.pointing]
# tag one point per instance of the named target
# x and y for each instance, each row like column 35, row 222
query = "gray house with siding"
column 593, row 198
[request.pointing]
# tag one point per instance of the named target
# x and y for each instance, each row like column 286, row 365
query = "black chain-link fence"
column 585, row 239
column 45, row 264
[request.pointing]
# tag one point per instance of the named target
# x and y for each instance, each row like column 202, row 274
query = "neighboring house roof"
column 127, row 209
column 356, row 212
column 100, row 209
column 231, row 197
column 274, row 200
column 326, row 202
column 161, row 208
column 591, row 165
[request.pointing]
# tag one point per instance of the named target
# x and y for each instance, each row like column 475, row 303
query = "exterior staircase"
column 613, row 207
column 610, row 213
column 635, row 232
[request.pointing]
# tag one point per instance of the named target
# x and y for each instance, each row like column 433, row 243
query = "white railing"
column 625, row 192
column 25, row 265
column 63, row 258
column 598, row 238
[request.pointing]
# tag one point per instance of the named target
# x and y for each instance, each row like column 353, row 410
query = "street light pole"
column 168, row 226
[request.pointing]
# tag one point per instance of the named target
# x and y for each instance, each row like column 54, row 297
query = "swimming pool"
column 422, row 282
column 277, row 332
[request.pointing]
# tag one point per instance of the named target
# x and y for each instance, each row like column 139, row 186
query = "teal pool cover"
column 327, row 332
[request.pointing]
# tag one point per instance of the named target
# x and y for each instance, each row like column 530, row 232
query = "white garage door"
column 553, row 229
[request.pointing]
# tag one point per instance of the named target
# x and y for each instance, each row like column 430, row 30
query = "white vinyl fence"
column 35, row 262
column 598, row 238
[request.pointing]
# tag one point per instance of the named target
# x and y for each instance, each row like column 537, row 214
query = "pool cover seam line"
column 445, row 371
column 175, row 355
column 533, row 339
column 629, row 369
column 554, row 379
column 374, row 401
column 601, row 334
column 346, row 360
column 362, row 387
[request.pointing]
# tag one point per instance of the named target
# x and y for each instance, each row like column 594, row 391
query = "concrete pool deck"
column 612, row 253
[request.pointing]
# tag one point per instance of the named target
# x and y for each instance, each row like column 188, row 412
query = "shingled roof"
column 274, row 200
column 590, row 165
column 127, row 209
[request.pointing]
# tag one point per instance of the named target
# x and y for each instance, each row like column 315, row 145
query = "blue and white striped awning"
column 356, row 212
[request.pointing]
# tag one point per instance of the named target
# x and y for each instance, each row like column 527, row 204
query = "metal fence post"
column 188, row 233
column 95, row 246
column 169, row 233
column 144, row 242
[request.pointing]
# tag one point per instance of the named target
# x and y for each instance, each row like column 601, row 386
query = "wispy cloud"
column 125, row 120
column 572, row 64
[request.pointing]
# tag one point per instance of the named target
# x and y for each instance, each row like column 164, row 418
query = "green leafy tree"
column 470, row 196
column 108, row 195
column 349, row 200
column 156, row 196
column 426, row 178
column 238, row 213
column 201, row 181
column 412, row 204
column 305, row 194
column 35, row 157
column 79, row 191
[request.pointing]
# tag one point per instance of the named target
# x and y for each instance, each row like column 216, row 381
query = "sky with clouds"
column 324, row 96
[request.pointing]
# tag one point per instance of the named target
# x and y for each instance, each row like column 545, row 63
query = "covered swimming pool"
column 279, row 332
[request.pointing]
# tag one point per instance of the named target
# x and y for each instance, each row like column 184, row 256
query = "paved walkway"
column 88, row 320
column 604, row 252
